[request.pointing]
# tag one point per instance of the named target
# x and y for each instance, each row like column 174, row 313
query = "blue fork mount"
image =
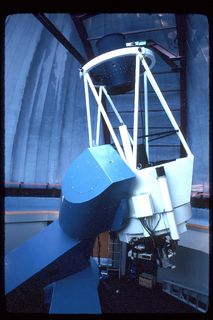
column 77, row 293
column 48, row 256
column 92, row 189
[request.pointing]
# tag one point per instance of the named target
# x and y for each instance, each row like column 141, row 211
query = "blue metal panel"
column 77, row 294
column 122, row 213
column 93, row 172
column 49, row 250
column 92, row 188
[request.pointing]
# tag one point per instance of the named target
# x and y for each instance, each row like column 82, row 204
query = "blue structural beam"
column 50, row 254
column 92, row 190
column 77, row 294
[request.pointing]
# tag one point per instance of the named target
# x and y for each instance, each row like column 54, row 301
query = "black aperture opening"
column 116, row 74
column 160, row 171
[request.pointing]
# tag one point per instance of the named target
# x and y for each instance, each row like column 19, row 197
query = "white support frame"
column 116, row 111
column 146, row 114
column 132, row 51
column 136, row 104
column 104, row 114
column 89, row 125
column 164, row 105
column 140, row 54
column 98, row 118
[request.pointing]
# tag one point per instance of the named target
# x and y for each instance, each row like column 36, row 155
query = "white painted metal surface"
column 104, row 114
column 136, row 105
column 115, row 54
column 141, row 206
column 146, row 115
column 98, row 119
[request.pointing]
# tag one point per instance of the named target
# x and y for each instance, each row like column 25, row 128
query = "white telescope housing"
column 160, row 201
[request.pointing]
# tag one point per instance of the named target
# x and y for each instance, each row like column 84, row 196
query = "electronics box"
column 147, row 280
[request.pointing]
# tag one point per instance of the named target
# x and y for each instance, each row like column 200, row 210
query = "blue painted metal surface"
column 93, row 188
column 77, row 294
column 121, row 215
column 50, row 251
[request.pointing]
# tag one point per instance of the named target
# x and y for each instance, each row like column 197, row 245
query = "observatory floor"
column 126, row 296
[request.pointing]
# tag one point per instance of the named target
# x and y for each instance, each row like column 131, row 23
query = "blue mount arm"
column 92, row 189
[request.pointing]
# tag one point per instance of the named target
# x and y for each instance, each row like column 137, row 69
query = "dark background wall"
column 45, row 118
column 198, row 95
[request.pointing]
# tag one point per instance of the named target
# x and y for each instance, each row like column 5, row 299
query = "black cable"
column 155, row 248
column 157, row 222
column 151, row 231
column 162, row 134
column 144, row 223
